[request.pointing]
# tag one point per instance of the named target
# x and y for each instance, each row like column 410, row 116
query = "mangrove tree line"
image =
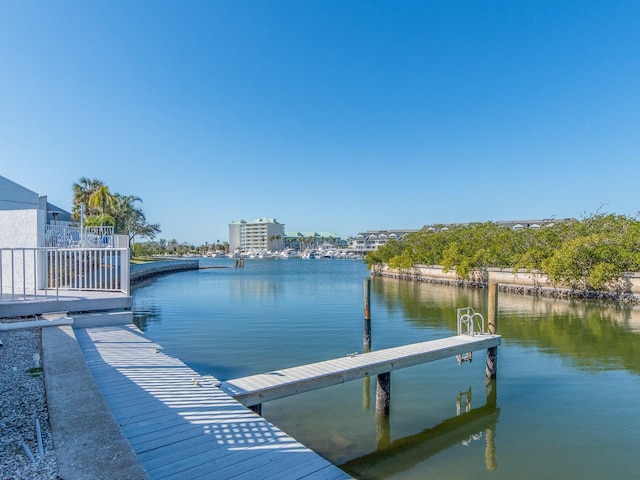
column 591, row 253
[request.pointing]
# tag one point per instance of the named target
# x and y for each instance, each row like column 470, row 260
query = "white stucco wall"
column 21, row 228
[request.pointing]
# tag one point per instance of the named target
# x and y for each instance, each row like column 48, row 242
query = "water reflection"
column 258, row 289
column 401, row 455
column 145, row 316
column 595, row 336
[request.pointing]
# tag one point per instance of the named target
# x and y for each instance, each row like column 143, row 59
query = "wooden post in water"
column 366, row 343
column 383, row 394
column 492, row 353
column 383, row 433
column 367, row 316
column 366, row 392
column 383, row 401
column 491, row 390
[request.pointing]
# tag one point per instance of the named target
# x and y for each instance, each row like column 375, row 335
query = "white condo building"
column 258, row 235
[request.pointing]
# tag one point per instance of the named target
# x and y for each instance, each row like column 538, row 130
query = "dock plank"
column 257, row 389
column 181, row 429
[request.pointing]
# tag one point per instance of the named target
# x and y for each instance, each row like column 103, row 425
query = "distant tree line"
column 173, row 247
column 589, row 254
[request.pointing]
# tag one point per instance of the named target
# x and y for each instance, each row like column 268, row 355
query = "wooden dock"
column 256, row 389
column 181, row 425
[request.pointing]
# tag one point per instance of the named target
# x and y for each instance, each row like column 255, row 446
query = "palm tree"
column 130, row 220
column 82, row 191
column 125, row 212
column 101, row 198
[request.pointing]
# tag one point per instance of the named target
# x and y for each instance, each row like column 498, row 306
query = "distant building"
column 534, row 224
column 513, row 224
column 302, row 240
column 372, row 239
column 259, row 235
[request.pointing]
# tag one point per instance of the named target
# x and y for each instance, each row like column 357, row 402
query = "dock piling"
column 367, row 316
column 383, row 394
column 490, row 434
column 366, row 392
column 491, row 369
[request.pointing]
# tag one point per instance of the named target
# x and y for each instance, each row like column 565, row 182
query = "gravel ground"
column 22, row 401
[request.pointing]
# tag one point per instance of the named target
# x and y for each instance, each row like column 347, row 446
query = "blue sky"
column 339, row 116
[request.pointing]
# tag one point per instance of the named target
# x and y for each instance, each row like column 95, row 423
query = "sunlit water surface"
column 568, row 389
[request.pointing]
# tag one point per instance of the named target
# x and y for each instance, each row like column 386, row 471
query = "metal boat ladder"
column 469, row 323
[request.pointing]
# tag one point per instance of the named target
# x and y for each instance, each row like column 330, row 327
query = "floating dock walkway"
column 180, row 424
column 256, row 389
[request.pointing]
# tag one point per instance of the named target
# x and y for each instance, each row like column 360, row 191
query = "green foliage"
column 99, row 220
column 385, row 253
column 104, row 208
column 402, row 261
column 591, row 253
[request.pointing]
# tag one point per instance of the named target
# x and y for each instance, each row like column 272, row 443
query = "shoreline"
column 625, row 298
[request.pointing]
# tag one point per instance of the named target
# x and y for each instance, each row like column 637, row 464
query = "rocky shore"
column 24, row 454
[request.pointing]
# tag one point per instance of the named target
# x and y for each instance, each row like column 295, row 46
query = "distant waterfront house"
column 373, row 239
column 533, row 224
column 260, row 234
column 512, row 224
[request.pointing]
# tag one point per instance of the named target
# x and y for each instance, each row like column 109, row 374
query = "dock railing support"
column 492, row 353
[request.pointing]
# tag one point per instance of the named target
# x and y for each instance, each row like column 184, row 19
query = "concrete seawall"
column 529, row 283
column 144, row 271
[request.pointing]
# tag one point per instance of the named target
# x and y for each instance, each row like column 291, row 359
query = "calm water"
column 568, row 392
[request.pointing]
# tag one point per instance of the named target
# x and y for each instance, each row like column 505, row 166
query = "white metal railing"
column 92, row 237
column 30, row 273
column 99, row 230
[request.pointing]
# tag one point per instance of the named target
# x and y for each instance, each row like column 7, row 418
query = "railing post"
column 24, row 274
column 13, row 276
column 492, row 353
column 124, row 271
